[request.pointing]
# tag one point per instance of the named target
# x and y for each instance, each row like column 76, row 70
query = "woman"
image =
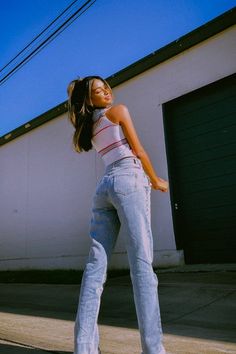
column 122, row 199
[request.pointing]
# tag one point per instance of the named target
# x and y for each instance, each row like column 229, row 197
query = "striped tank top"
column 108, row 139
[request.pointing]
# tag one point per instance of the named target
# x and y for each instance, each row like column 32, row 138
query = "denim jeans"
column 122, row 199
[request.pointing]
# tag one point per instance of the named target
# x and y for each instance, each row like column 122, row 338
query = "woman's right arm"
column 119, row 114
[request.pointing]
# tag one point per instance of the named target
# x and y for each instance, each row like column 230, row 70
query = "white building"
column 182, row 100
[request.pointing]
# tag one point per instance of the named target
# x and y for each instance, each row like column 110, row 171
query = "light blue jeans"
column 122, row 199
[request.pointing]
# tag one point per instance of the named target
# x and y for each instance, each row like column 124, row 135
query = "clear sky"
column 111, row 35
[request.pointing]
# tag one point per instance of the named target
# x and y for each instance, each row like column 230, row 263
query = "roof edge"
column 172, row 49
column 198, row 35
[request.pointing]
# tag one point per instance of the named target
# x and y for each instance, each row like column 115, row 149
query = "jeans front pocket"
column 125, row 183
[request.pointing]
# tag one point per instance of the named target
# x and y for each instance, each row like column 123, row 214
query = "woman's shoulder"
column 117, row 112
column 117, row 108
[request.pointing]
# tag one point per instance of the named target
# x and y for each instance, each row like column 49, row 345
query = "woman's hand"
column 160, row 184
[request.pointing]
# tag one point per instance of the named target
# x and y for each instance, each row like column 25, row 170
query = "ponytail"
column 80, row 113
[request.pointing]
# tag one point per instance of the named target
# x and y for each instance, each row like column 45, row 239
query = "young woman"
column 122, row 199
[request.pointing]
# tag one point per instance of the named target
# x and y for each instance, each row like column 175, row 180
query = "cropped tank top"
column 108, row 138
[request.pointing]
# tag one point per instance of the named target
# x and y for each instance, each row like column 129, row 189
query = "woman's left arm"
column 119, row 114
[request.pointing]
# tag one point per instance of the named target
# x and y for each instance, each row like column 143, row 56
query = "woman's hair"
column 80, row 109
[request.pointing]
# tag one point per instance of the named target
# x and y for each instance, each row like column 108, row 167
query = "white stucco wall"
column 46, row 188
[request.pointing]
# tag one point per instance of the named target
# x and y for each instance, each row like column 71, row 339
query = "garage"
column 200, row 133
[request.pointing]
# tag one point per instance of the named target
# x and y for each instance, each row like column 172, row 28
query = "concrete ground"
column 198, row 313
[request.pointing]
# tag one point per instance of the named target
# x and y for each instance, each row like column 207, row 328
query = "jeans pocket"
column 125, row 183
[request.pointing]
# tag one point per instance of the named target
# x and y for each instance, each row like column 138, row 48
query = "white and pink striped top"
column 108, row 139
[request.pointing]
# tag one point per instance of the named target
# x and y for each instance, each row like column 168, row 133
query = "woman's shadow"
column 14, row 349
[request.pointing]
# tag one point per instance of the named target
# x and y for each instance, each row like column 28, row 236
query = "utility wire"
column 40, row 34
column 43, row 36
column 45, row 42
column 67, row 23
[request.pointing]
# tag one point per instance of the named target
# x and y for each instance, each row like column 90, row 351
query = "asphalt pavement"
column 198, row 308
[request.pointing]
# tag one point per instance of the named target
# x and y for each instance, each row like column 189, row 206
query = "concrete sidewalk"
column 198, row 314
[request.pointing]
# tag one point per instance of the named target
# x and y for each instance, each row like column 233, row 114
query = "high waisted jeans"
column 122, row 199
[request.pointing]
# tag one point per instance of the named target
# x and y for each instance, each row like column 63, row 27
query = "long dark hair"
column 80, row 109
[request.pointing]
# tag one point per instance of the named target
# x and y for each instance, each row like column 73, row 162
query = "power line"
column 39, row 35
column 48, row 40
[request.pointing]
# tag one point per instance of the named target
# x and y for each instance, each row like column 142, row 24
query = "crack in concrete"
column 200, row 307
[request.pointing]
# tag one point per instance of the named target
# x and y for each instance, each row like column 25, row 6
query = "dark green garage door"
column 200, row 130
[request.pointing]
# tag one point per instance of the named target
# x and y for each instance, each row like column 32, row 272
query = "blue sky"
column 111, row 35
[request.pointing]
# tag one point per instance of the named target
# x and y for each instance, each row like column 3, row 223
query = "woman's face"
column 101, row 94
